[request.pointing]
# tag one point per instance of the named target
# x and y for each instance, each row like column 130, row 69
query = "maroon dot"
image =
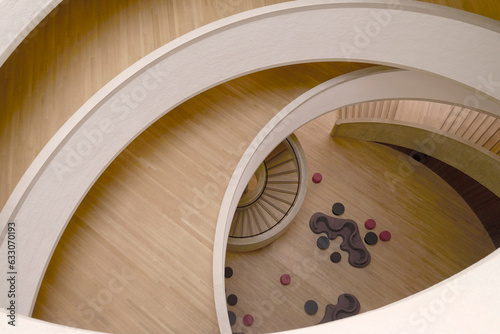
column 385, row 235
column 248, row 320
column 370, row 224
column 285, row 279
column 317, row 177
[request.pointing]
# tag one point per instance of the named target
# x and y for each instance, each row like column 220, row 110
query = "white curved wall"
column 18, row 19
column 27, row 325
column 294, row 32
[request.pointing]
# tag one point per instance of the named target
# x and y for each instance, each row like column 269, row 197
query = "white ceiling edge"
column 27, row 325
column 18, row 18
column 294, row 32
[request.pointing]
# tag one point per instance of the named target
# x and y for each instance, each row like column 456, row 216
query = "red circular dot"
column 285, row 279
column 385, row 236
column 370, row 224
column 248, row 320
column 317, row 177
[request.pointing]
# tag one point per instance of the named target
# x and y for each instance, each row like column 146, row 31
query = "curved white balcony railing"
column 270, row 203
column 56, row 182
column 466, row 139
column 19, row 18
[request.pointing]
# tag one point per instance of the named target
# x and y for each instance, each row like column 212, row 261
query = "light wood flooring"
column 154, row 209
column 434, row 235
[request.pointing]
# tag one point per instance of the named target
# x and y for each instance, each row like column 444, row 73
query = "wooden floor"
column 153, row 212
column 434, row 235
column 75, row 51
column 132, row 219
column 82, row 45
column 484, row 203
column 488, row 8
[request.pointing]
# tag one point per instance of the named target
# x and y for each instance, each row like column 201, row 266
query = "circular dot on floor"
column 232, row 317
column 285, row 279
column 385, row 235
column 323, row 242
column 371, row 238
column 317, row 177
column 248, row 320
column 311, row 307
column 370, row 224
column 228, row 272
column 232, row 300
column 335, row 257
column 338, row 209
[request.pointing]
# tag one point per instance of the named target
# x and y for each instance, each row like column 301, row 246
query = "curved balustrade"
column 478, row 129
column 19, row 18
column 480, row 164
column 230, row 48
column 464, row 138
column 272, row 200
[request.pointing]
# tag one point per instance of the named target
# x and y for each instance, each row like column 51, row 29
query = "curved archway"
column 19, row 18
column 93, row 115
column 352, row 88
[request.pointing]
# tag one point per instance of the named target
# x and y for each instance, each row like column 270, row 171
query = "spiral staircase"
column 271, row 199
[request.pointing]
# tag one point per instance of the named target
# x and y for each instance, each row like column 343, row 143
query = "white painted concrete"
column 413, row 35
column 27, row 325
column 18, row 19
column 268, row 237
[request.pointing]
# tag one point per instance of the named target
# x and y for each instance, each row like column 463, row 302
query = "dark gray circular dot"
column 232, row 300
column 228, row 272
column 323, row 242
column 311, row 307
column 335, row 257
column 338, row 209
column 418, row 156
column 232, row 317
column 371, row 238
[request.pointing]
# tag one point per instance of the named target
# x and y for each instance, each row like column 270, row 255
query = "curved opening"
column 171, row 173
column 255, row 187
column 316, row 101
column 217, row 182
column 141, row 218
column 271, row 198
column 434, row 236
